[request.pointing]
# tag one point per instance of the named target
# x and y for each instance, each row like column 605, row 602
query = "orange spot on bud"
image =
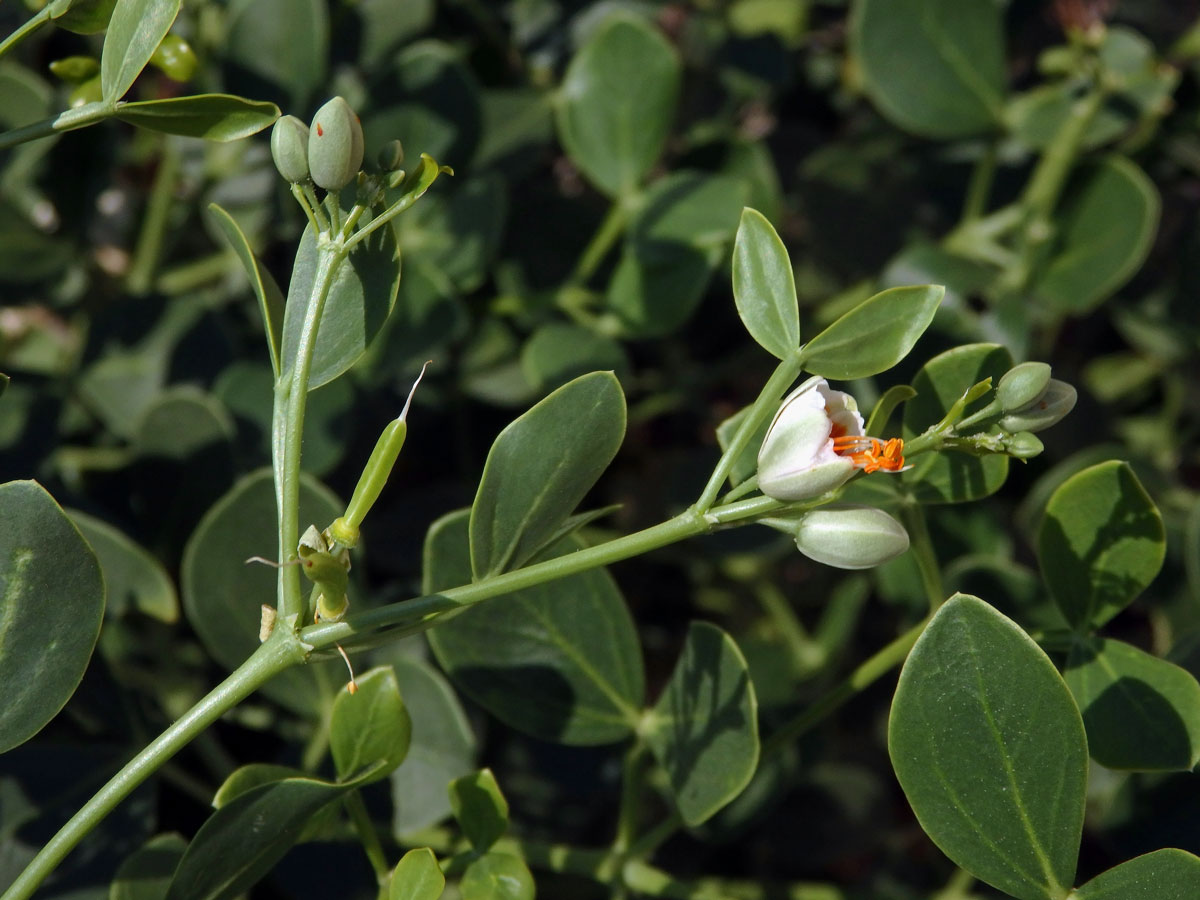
column 320, row 130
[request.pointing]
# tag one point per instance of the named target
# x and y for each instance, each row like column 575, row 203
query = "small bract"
column 850, row 537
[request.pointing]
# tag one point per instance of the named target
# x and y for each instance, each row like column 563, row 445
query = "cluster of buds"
column 329, row 151
column 817, row 442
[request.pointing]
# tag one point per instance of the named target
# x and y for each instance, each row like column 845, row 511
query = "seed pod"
column 289, row 149
column 335, row 145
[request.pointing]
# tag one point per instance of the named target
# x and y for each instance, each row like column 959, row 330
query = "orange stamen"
column 871, row 454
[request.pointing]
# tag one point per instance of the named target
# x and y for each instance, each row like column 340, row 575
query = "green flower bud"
column 1022, row 384
column 850, row 537
column 76, row 69
column 335, row 145
column 175, row 58
column 1055, row 402
column 289, row 148
column 1023, row 445
column 391, row 156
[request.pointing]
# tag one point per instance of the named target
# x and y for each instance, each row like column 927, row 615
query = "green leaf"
column 933, row 67
column 497, row 876
column 1142, row 713
column 133, row 579
column 990, row 751
column 245, row 778
column 704, row 728
column 278, row 50
column 531, row 658
column 223, row 595
column 1105, row 228
column 86, row 16
column 241, row 841
column 1100, row 544
column 51, row 604
column 480, row 808
column 262, row 282
column 214, row 117
column 747, row 462
column 875, row 335
column 360, row 298
column 953, row 477
column 134, row 33
column 385, row 25
column 764, row 287
column 417, row 877
column 540, row 467
column 1162, row 875
column 442, row 748
column 617, row 103
column 370, row 726
column 146, row 874
column 560, row 351
column 672, row 247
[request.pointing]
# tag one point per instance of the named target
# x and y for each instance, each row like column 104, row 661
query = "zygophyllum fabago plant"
column 986, row 737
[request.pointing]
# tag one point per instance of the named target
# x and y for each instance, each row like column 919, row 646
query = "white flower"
column 816, row 442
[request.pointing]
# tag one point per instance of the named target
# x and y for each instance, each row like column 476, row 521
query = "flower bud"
column 1055, row 402
column 76, row 69
column 391, row 156
column 289, row 149
column 335, row 145
column 175, row 58
column 850, row 537
column 1023, row 445
column 797, row 459
column 1022, row 384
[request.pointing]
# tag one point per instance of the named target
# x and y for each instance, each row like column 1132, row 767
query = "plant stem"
column 366, row 834
column 291, row 395
column 32, row 24
column 67, row 120
column 154, row 225
column 273, row 657
column 980, row 185
column 924, row 554
column 611, row 228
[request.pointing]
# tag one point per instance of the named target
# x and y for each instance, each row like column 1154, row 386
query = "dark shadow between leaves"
column 533, row 699
column 1132, row 726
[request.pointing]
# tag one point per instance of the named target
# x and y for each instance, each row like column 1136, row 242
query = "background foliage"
column 604, row 153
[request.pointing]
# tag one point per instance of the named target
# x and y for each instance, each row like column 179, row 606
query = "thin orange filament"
column 871, row 454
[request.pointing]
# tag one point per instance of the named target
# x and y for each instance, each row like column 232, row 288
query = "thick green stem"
column 272, row 657
column 366, row 834
column 291, row 395
column 611, row 228
column 148, row 251
column 67, row 120
column 924, row 554
column 32, row 24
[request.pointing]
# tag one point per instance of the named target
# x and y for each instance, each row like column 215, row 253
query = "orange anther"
column 871, row 454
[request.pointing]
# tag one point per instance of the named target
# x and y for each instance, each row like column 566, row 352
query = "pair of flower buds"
column 330, row 151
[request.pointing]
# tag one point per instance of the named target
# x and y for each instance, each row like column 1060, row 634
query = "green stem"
column 271, row 658
column 32, row 24
column 611, row 228
column 924, row 554
column 631, row 793
column 67, row 120
column 980, row 185
column 766, row 404
column 290, row 398
column 387, row 215
column 366, row 834
column 1046, row 184
column 148, row 251
column 789, row 626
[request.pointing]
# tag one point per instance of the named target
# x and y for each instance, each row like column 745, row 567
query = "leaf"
column 241, row 841
column 540, row 467
column 214, row 117
column 133, row 579
column 672, row 247
column 222, row 595
column 278, row 50
column 497, row 876
column 245, row 778
column 370, row 726
column 617, row 102
column 385, row 25
column 990, row 751
column 480, row 808
column 764, row 287
column 560, row 351
column 51, row 605
column 1100, row 543
column 704, row 728
column 747, row 462
column 417, row 877
column 146, row 874
column 875, row 335
column 360, row 298
column 1142, row 713
column 531, row 658
column 933, row 67
column 953, row 477
column 442, row 746
column 1162, row 875
column 134, row 33
column 1105, row 228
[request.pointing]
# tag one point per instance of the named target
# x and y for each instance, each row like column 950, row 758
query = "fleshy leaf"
column 540, row 467
column 51, row 604
column 417, row 877
column 990, row 751
column 213, row 117
column 764, row 287
column 370, row 726
column 704, row 728
column 875, row 335
column 1162, row 875
column 497, row 876
column 1100, row 544
column 480, row 808
column 133, row 579
column 134, row 32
